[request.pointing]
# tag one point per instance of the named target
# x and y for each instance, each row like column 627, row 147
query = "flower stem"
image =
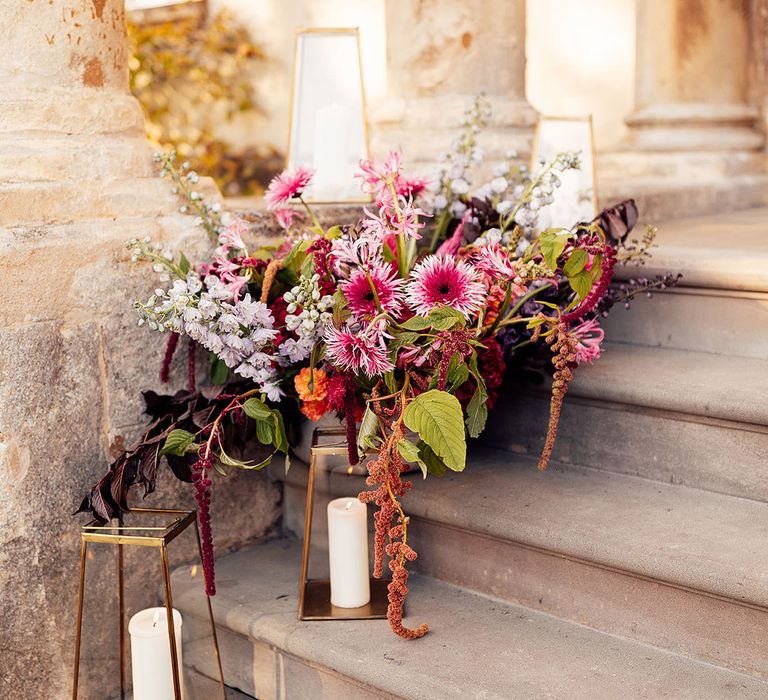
column 312, row 216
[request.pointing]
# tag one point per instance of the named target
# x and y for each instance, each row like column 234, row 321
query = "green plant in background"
column 192, row 75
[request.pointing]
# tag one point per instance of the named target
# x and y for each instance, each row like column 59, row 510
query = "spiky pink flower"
column 365, row 351
column 286, row 186
column 376, row 177
column 494, row 261
column 232, row 236
column 590, row 337
column 358, row 290
column 443, row 281
column 285, row 217
column 360, row 251
column 407, row 223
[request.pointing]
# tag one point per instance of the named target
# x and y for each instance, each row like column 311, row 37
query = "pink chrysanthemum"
column 286, row 186
column 590, row 337
column 358, row 352
column 443, row 281
column 359, row 294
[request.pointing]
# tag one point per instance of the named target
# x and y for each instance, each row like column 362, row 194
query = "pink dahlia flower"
column 443, row 281
column 287, row 185
column 358, row 352
column 360, row 298
column 590, row 337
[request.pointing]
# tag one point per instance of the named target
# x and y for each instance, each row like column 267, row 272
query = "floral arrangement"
column 402, row 324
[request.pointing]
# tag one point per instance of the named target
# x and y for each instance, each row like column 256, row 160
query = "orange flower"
column 319, row 382
column 314, row 410
column 496, row 297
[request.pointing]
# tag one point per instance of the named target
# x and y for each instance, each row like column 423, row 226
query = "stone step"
column 666, row 198
column 478, row 647
column 715, row 321
column 676, row 567
column 675, row 416
column 698, row 383
column 724, row 251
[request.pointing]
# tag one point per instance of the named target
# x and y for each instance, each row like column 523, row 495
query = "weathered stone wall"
column 76, row 180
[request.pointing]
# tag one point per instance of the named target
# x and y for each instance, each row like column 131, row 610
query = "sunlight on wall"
column 581, row 60
column 272, row 26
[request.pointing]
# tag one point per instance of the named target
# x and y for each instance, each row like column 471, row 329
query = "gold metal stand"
column 315, row 594
column 174, row 523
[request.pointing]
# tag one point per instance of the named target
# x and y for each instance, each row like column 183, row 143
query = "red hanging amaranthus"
column 385, row 472
column 170, row 349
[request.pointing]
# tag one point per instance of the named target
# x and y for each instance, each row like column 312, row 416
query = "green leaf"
column 296, row 255
column 552, row 243
column 597, row 267
column 369, row 427
column 250, row 466
column 177, row 443
column 256, row 409
column 477, row 412
column 265, row 432
column 388, row 254
column 435, row 465
column 438, row 419
column 184, row 265
column 391, row 382
column 458, row 372
column 444, row 317
column 334, row 232
column 410, row 453
column 581, row 283
column 416, row 323
column 281, row 440
column 576, row 262
column 219, row 371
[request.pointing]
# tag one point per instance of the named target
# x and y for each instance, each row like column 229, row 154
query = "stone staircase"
column 636, row 566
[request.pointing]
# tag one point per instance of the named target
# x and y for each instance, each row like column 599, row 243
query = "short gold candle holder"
column 172, row 524
column 315, row 594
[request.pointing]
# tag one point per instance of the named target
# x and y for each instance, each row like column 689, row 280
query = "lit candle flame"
column 193, row 571
column 350, row 470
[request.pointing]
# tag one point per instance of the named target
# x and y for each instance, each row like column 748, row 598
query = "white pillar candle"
column 333, row 172
column 151, row 654
column 348, row 553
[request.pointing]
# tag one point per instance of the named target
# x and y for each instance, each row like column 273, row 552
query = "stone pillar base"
column 694, row 127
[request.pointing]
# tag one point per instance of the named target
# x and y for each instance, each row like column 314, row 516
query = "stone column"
column 73, row 141
column 440, row 55
column 76, row 181
column 692, row 72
